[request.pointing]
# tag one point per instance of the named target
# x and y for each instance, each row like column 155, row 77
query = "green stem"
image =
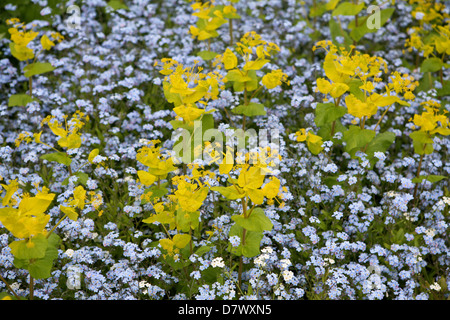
column 57, row 224
column 333, row 125
column 230, row 22
column 363, row 122
column 417, row 175
column 9, row 288
column 244, row 212
column 246, row 104
column 31, row 287
column 30, row 86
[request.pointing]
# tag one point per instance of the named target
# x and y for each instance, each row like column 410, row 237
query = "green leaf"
column 422, row 142
column 207, row 55
column 251, row 248
column 210, row 275
column 37, row 68
column 237, row 75
column 59, row 157
column 347, row 9
column 445, row 90
column 325, row 130
column 202, row 250
column 187, row 220
column 380, row 143
column 82, row 178
column 33, row 249
column 21, row 99
column 432, row 178
column 157, row 192
column 257, row 221
column 251, row 110
column 181, row 240
column 317, row 11
column 355, row 90
column 421, row 137
column 431, row 65
column 357, row 138
column 117, row 4
column 41, row 268
column 328, row 112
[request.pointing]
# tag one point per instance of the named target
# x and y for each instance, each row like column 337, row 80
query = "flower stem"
column 244, row 212
column 31, row 287
column 9, row 288
column 417, row 175
column 230, row 23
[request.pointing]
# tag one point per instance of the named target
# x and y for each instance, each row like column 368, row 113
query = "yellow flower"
column 10, row 190
column 46, row 42
column 229, row 59
column 157, row 165
column 21, row 53
column 188, row 113
column 360, row 109
column 431, row 120
column 313, row 141
column 250, row 180
column 29, row 219
column 272, row 188
column 190, row 197
column 274, row 79
column 22, row 38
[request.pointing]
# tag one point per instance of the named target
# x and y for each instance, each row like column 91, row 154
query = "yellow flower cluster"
column 21, row 37
column 432, row 120
column 345, row 69
column 251, row 45
column 29, row 219
column 186, row 86
column 69, row 132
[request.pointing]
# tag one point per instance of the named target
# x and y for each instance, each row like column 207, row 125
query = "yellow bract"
column 274, row 79
column 229, row 59
column 313, row 141
column 185, row 87
column 70, row 137
column 431, row 120
column 190, row 196
column 21, row 37
column 29, row 219
column 151, row 157
column 46, row 42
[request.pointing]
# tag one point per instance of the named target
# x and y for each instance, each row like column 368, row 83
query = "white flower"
column 430, row 232
column 15, row 286
column 285, row 263
column 69, row 253
column 328, row 261
column 260, row 261
column 435, row 286
column 217, row 262
column 391, row 194
column 144, row 284
column 268, row 250
column 446, row 200
column 287, row 275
